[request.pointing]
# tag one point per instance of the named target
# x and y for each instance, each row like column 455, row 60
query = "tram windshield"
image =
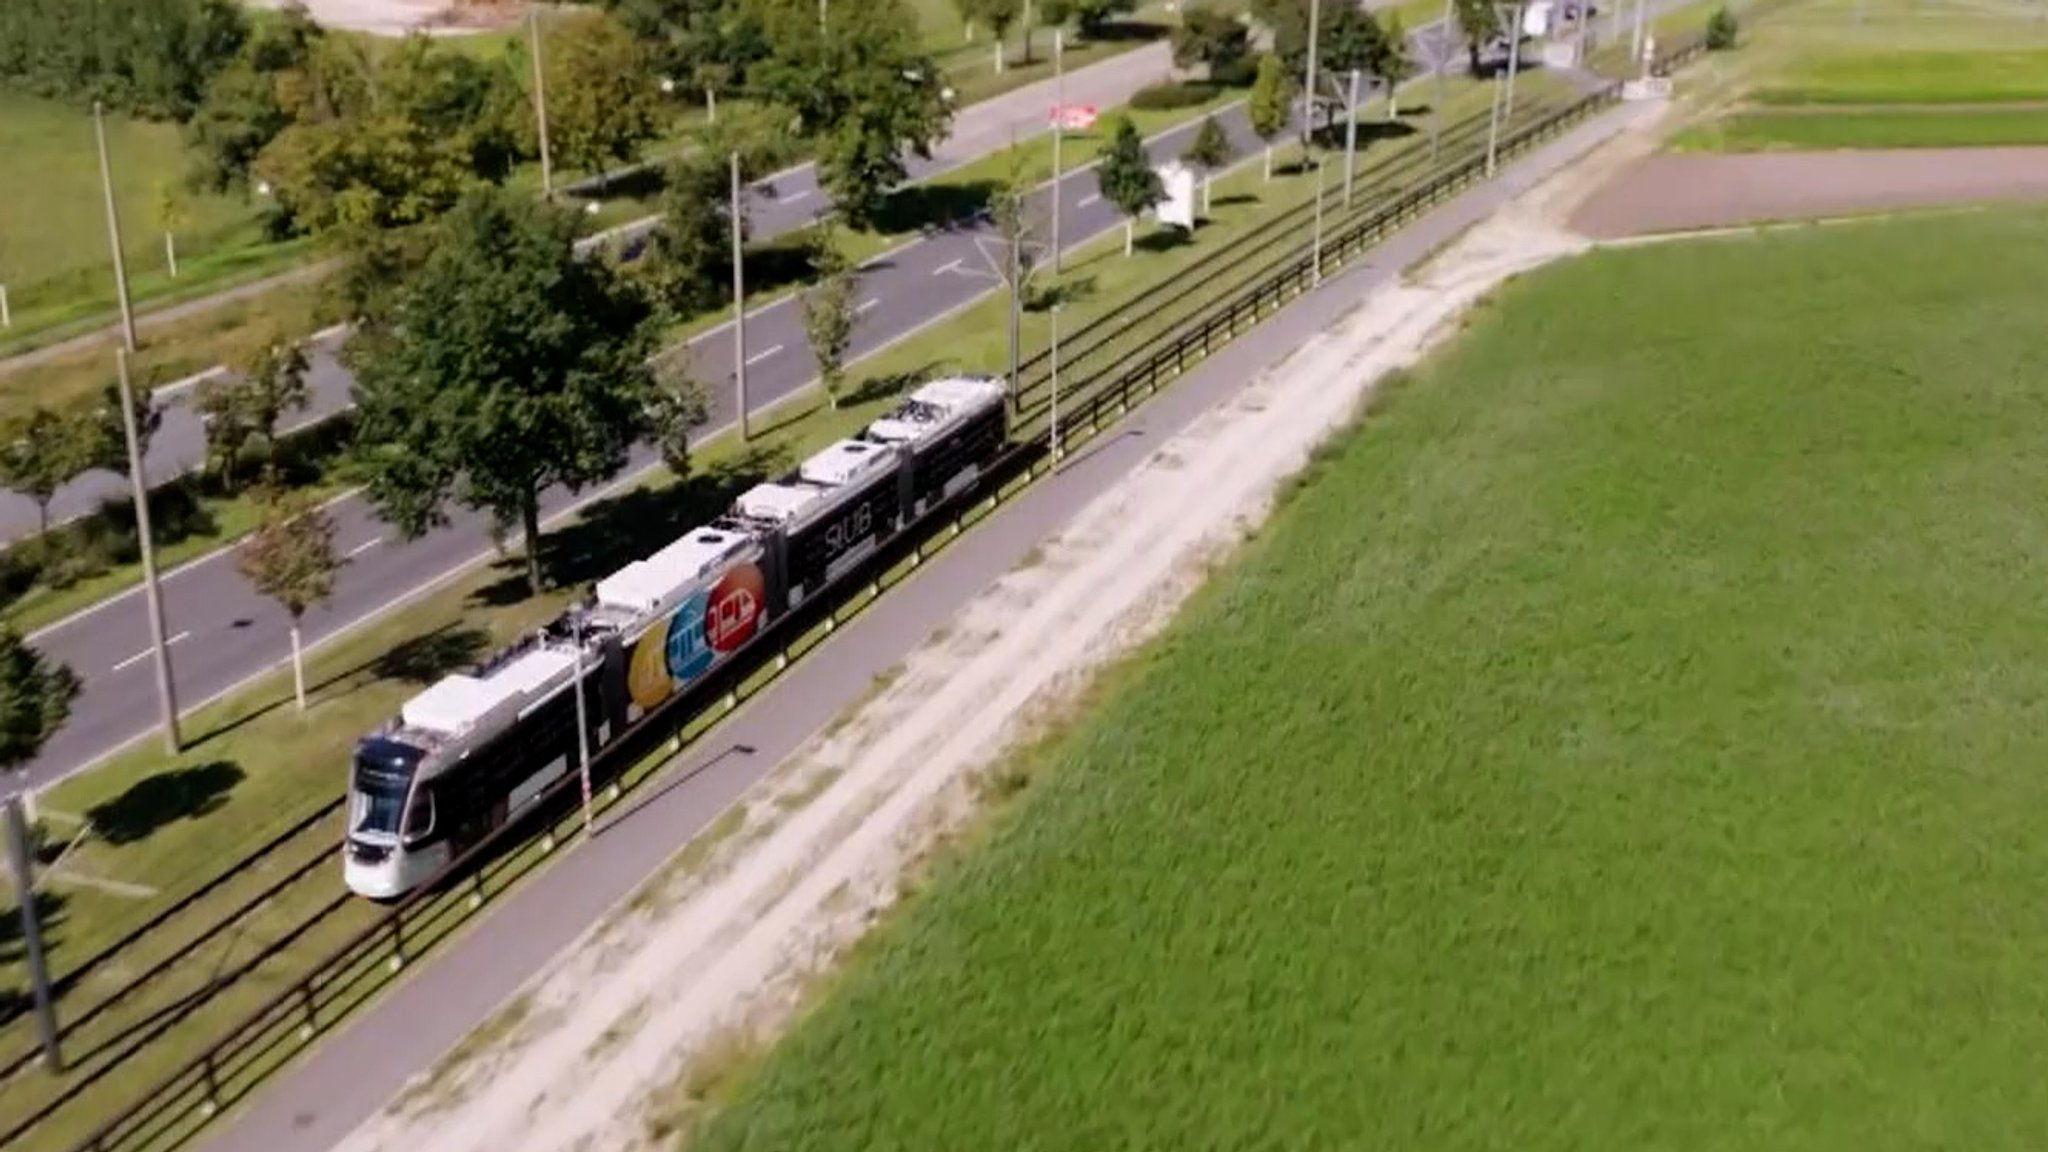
column 379, row 799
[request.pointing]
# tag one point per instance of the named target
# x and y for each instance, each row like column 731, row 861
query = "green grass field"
column 1874, row 128
column 1629, row 739
column 256, row 767
column 1830, row 74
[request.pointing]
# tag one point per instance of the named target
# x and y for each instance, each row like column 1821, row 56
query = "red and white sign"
column 1073, row 117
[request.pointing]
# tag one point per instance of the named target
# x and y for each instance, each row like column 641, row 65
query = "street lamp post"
column 1316, row 245
column 739, row 300
column 540, row 104
column 138, row 487
column 1059, row 116
column 31, row 935
column 1056, row 450
column 99, row 129
column 1443, row 65
column 1507, row 96
column 1309, row 86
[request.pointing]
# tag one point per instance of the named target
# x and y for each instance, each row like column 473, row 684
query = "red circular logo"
column 734, row 608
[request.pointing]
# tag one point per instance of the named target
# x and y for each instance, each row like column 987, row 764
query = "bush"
column 1172, row 94
column 1721, row 28
column 1238, row 73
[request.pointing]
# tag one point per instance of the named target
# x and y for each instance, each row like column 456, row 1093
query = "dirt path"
column 1680, row 192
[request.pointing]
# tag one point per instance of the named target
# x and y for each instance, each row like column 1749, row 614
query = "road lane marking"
column 865, row 305
column 948, row 266
column 803, row 195
column 1090, row 198
column 365, row 546
column 145, row 653
column 757, row 357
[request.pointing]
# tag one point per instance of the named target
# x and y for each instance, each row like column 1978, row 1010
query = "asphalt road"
column 351, row 1074
column 222, row 633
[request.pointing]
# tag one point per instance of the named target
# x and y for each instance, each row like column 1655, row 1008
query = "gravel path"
column 1682, row 192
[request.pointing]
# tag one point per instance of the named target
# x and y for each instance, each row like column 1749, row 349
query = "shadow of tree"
column 165, row 798
column 1044, row 296
column 1164, row 240
column 620, row 529
column 884, row 387
column 934, row 207
column 425, row 659
column 1369, row 132
column 1232, row 199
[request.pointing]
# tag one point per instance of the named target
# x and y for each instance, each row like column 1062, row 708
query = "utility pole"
column 739, row 300
column 1636, row 41
column 1350, row 137
column 31, row 934
column 1443, row 65
column 1016, row 260
column 1059, row 120
column 1507, row 96
column 582, row 722
column 99, row 131
column 540, row 104
column 138, row 485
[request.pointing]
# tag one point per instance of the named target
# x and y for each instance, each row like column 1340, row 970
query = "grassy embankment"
column 1823, row 76
column 258, row 767
column 1628, row 737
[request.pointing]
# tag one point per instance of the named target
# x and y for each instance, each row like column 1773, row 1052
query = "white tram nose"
column 380, row 881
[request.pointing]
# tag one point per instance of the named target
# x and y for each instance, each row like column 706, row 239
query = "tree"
column 709, row 42
column 40, row 453
column 1395, row 64
column 1208, row 151
column 678, row 405
column 505, row 366
column 172, row 215
column 689, row 258
column 865, row 90
column 1126, row 178
column 1211, row 39
column 1272, row 98
column 1721, row 30
column 106, row 433
column 1347, row 35
column 995, row 15
column 603, row 103
column 35, row 699
column 290, row 559
column 1480, row 22
column 245, row 105
column 829, row 315
column 245, row 409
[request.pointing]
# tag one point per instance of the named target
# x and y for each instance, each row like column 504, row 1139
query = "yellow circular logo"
column 647, row 678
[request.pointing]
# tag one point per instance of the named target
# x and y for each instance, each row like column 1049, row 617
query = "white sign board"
column 1178, row 209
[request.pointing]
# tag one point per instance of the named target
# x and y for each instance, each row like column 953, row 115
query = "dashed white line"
column 365, row 546
column 948, row 266
column 865, row 305
column 145, row 653
column 803, row 195
column 1090, row 198
column 757, row 357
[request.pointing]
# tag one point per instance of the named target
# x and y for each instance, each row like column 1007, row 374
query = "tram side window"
column 419, row 820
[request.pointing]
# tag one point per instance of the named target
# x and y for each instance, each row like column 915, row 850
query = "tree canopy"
column 39, row 453
column 502, row 366
column 35, row 699
column 1089, row 16
column 1125, row 175
column 864, row 89
column 604, row 100
column 150, row 57
column 1209, row 38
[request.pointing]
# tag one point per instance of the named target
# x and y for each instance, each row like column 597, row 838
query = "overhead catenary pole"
column 582, row 721
column 1443, row 65
column 1507, row 115
column 1315, row 11
column 1350, row 137
column 540, row 104
column 138, row 488
column 1016, row 275
column 99, row 131
column 1316, row 245
column 31, row 934
column 1059, row 103
column 1636, row 39
column 739, row 299
column 1055, row 310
